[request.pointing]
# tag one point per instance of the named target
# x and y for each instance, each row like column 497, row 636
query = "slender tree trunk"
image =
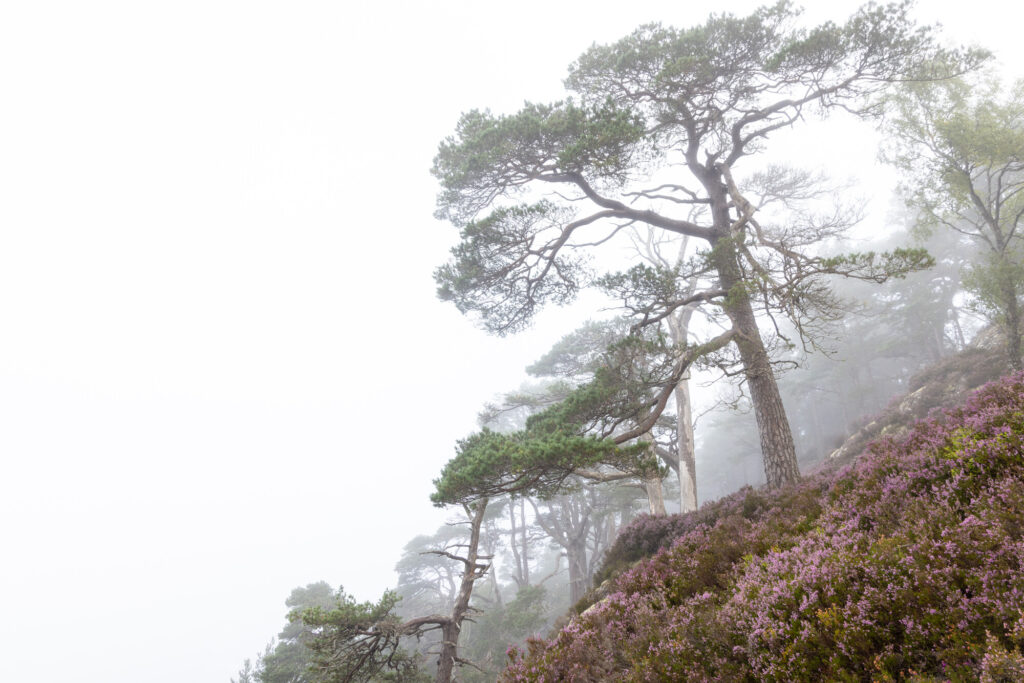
column 525, row 543
column 1007, row 291
column 474, row 569
column 937, row 345
column 611, row 530
column 1013, row 316
column 684, row 439
column 653, row 487
column 679, row 329
column 520, row 577
column 576, row 553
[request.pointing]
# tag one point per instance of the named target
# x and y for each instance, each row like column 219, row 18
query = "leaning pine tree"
column 534, row 191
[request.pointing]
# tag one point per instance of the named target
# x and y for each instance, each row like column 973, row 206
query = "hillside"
column 941, row 385
column 904, row 565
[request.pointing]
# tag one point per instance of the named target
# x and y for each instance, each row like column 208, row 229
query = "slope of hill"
column 906, row 565
column 942, row 385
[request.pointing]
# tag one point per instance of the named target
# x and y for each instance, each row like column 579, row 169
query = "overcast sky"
column 223, row 371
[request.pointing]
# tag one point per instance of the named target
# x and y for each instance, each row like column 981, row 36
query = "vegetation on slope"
column 907, row 565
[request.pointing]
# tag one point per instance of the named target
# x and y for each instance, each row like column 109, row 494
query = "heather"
column 906, row 565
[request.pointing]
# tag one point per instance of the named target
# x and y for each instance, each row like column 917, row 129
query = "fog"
column 223, row 369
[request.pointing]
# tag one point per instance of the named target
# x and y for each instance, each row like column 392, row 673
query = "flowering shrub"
column 907, row 565
column 1002, row 665
column 646, row 535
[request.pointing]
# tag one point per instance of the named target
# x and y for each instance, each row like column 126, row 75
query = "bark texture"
column 777, row 448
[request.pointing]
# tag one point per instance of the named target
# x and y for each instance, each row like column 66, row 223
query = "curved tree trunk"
column 777, row 447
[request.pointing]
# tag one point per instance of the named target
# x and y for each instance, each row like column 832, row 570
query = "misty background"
column 223, row 370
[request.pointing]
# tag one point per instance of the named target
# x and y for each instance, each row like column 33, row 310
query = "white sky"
column 223, row 371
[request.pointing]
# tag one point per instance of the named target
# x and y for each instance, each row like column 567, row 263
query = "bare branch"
column 621, row 210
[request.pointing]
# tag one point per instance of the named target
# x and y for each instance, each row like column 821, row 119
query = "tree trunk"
column 525, row 543
column 961, row 341
column 519, row 557
column 652, row 485
column 685, row 449
column 576, row 553
column 1013, row 315
column 679, row 329
column 655, row 495
column 568, row 524
column 777, row 447
column 448, row 656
